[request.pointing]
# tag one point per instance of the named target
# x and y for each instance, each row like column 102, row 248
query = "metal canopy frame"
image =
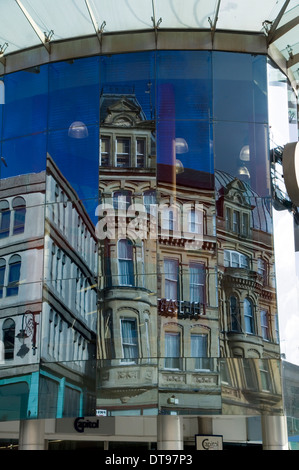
column 204, row 38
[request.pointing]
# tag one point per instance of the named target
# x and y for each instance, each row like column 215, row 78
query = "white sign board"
column 205, row 442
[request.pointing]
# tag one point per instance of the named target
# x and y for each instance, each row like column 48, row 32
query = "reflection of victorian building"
column 247, row 301
column 175, row 260
column 127, row 320
column 47, row 316
column 171, row 302
column 187, row 306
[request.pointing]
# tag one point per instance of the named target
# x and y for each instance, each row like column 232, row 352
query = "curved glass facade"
column 136, row 244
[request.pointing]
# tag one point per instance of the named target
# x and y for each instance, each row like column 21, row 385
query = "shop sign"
column 205, row 442
column 86, row 425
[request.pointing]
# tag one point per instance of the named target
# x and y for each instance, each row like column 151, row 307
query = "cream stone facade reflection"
column 127, row 336
column 48, row 316
column 247, row 298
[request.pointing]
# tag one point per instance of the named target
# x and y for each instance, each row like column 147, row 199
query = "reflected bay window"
column 197, row 282
column 125, row 262
column 129, row 336
column 13, row 275
column 171, row 270
column 172, row 350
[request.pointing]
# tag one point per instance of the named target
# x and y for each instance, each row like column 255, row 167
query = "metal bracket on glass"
column 2, row 50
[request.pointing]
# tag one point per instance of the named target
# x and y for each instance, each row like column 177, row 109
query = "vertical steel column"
column 170, row 432
column 32, row 435
column 274, row 432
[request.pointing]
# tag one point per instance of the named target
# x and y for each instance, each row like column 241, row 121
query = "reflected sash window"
column 276, row 328
column 195, row 221
column 2, row 276
column 234, row 259
column 248, row 316
column 140, row 153
column 199, row 347
column 265, row 375
column 105, row 151
column 8, row 334
column 125, row 263
column 129, row 339
column 123, row 152
column 197, row 282
column 172, row 350
column 4, row 219
column 19, row 207
column 250, row 375
column 245, row 225
column 149, row 198
column 234, row 314
column 261, row 269
column 228, row 218
column 122, row 200
column 236, row 221
column 13, row 275
column 171, row 268
column 265, row 325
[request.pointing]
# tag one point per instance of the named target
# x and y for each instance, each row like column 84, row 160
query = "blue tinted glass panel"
column 26, row 102
column 78, row 161
column 241, row 151
column 74, row 94
column 24, row 155
column 240, row 87
column 184, row 86
column 129, row 75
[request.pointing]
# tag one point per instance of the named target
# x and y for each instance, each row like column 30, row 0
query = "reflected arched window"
column 4, row 219
column 248, row 316
column 125, row 263
column 2, row 275
column 13, row 275
column 8, row 335
column 19, row 206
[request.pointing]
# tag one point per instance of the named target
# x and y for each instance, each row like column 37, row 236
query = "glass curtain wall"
column 136, row 250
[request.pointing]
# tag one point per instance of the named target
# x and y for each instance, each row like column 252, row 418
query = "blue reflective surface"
column 117, row 322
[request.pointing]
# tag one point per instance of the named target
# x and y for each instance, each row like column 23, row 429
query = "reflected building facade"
column 137, row 270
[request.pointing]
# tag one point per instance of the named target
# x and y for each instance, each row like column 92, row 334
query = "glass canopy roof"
column 29, row 23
